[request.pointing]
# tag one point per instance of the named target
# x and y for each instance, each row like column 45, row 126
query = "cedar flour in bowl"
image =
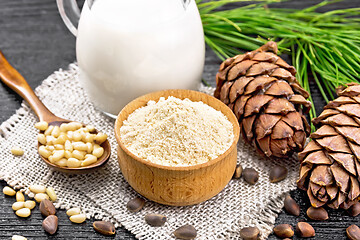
column 175, row 132
column 177, row 147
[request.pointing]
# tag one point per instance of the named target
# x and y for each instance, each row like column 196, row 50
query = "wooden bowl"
column 177, row 186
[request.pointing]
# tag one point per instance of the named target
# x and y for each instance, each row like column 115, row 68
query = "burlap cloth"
column 103, row 194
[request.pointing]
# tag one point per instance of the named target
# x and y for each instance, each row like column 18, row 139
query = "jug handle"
column 70, row 14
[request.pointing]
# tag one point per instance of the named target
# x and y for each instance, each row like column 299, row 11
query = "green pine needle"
column 325, row 45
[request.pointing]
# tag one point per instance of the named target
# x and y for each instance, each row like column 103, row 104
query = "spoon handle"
column 16, row 82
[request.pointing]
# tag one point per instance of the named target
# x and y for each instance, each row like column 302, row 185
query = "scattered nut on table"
column 135, row 204
column 51, row 193
column 20, row 197
column 185, row 232
column 37, row 188
column 304, row 230
column 250, row 175
column 29, row 204
column 250, row 233
column 291, row 207
column 104, row 227
column 47, row 208
column 284, row 231
column 9, row 191
column 73, row 211
column 155, row 220
column 78, row 218
column 23, row 212
column 319, row 214
column 50, row 224
column 353, row 232
column 277, row 174
column 238, row 171
column 18, row 237
column 18, row 205
column 17, row 151
column 41, row 196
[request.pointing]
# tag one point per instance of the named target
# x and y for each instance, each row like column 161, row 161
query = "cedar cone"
column 262, row 91
column 330, row 167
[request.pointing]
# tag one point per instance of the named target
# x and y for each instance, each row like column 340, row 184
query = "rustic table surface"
column 36, row 42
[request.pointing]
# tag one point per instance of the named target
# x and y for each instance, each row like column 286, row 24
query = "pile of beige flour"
column 175, row 132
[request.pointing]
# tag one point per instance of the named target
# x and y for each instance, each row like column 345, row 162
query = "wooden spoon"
column 16, row 82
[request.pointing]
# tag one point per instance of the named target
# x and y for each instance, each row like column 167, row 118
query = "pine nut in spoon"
column 16, row 82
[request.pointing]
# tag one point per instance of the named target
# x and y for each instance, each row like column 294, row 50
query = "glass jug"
column 127, row 48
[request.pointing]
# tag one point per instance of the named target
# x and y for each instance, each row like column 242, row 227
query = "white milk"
column 126, row 48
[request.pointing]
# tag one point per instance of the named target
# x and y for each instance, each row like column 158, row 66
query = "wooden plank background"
column 36, row 42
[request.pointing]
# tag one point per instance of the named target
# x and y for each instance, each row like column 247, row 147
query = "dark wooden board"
column 36, row 42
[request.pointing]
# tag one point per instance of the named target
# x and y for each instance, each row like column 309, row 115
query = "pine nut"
column 90, row 128
column 50, row 148
column 98, row 152
column 90, row 159
column 9, row 191
column 42, row 126
column 89, row 147
column 55, row 132
column 61, row 139
column 89, row 137
column 80, row 146
column 37, row 188
column 58, row 154
column 51, row 159
column 68, row 146
column 100, row 138
column 20, row 197
column 17, row 151
column 18, row 237
column 59, row 147
column 18, row 205
column 49, row 130
column 71, row 140
column 41, row 139
column 50, row 140
column 74, row 126
column 41, row 196
column 70, row 135
column 68, row 154
column 79, row 218
column 51, row 193
column 64, row 127
column 23, row 212
column 62, row 162
column 78, row 154
column 77, row 136
column 73, row 211
column 29, row 204
column 73, row 163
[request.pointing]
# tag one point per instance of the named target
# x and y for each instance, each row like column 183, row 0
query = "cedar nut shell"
column 185, row 232
column 250, row 233
column 305, row 230
column 104, row 227
column 47, row 208
column 250, row 175
column 284, row 231
column 291, row 206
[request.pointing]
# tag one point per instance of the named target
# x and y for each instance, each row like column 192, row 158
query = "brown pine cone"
column 330, row 167
column 265, row 96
